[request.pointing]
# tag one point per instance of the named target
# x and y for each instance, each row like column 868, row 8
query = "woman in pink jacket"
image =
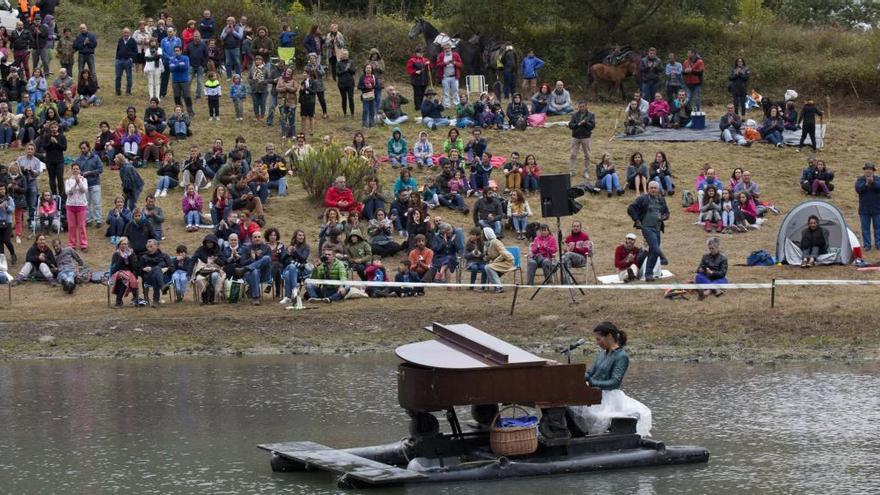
column 192, row 208
column 659, row 111
column 541, row 253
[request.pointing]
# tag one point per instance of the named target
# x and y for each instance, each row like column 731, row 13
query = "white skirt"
column 615, row 404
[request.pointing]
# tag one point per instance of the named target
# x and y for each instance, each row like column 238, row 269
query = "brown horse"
column 613, row 75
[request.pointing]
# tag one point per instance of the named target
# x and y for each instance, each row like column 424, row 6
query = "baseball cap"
column 631, row 236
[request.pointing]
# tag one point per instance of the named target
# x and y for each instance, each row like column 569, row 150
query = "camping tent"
column 840, row 245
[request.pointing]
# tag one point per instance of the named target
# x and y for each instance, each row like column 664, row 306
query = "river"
column 190, row 426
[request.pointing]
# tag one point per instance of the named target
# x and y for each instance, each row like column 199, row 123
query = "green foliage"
column 104, row 17
column 320, row 168
column 258, row 12
column 827, row 12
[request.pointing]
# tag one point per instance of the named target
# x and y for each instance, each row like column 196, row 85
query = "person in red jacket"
column 693, row 78
column 449, row 71
column 576, row 248
column 339, row 196
column 418, row 67
column 628, row 258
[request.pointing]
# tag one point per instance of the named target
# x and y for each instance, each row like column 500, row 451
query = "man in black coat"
column 126, row 51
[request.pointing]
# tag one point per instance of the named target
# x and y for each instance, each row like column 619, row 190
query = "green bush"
column 320, row 168
column 106, row 18
column 258, row 12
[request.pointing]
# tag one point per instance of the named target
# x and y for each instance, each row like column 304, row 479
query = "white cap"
column 631, row 236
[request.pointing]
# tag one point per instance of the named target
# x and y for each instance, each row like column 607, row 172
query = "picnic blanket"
column 709, row 134
column 497, row 161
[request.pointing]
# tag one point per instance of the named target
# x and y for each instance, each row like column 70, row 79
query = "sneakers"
column 285, row 301
column 18, row 239
column 164, row 193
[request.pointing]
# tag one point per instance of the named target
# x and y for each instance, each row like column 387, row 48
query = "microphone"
column 579, row 342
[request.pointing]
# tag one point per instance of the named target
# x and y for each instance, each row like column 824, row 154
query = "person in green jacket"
column 397, row 149
column 328, row 268
column 464, row 112
column 360, row 254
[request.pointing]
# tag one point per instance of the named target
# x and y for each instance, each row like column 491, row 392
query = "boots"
column 707, row 226
column 719, row 226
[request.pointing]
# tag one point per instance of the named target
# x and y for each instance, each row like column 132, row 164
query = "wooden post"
column 513, row 303
column 773, row 294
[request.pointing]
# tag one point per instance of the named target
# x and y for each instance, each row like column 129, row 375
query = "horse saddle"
column 617, row 56
column 444, row 39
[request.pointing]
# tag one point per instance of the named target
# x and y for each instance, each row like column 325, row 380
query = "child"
column 47, row 212
column 533, row 173
column 475, row 257
column 181, row 269
column 429, row 194
column 213, row 92
column 458, row 185
column 375, row 272
column 397, row 149
column 406, row 274
column 481, row 169
column 287, row 36
column 307, row 97
column 237, row 92
column 728, row 216
column 711, row 210
column 424, row 151
column 287, row 115
column 822, row 177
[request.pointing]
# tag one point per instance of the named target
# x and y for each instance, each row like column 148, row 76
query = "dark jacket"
column 431, row 110
column 203, row 252
column 516, row 111
column 869, row 196
column 345, row 73
column 717, row 263
column 483, row 208
column 739, row 81
column 55, row 151
column 84, row 48
column 730, row 121
column 639, row 208
column 39, row 36
column 582, row 124
column 206, row 28
column 91, row 167
column 126, row 50
column 138, row 234
column 608, row 369
column 198, row 55
column 117, row 263
column 22, row 40
column 169, row 170
column 186, row 265
column 156, row 261
column 33, row 257
column 650, row 69
column 815, row 238
column 154, row 116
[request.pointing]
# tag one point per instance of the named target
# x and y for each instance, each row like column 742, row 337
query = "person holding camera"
column 649, row 213
column 327, row 268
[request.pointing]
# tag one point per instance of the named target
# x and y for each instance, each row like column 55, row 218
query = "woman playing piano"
column 607, row 373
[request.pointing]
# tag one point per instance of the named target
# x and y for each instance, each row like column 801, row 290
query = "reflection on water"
column 191, row 426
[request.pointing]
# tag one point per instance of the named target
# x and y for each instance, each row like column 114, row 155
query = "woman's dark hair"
column 737, row 59
column 632, row 158
column 449, row 134
column 273, row 230
column 714, row 198
column 313, row 30
column 526, row 161
column 295, row 234
column 403, row 172
column 663, row 154
column 607, row 328
column 733, row 174
column 813, row 217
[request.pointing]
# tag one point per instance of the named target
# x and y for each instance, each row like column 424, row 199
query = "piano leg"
column 453, row 423
column 554, row 427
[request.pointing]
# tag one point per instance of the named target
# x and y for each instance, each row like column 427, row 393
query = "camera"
column 326, row 258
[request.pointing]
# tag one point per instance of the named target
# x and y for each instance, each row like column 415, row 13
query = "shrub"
column 258, row 12
column 320, row 168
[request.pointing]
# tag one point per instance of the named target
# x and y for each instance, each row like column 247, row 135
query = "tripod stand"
column 559, row 265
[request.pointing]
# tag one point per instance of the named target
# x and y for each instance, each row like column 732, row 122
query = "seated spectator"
column 576, row 249
column 358, row 254
column 541, row 253
column 87, row 89
column 328, row 268
column 181, row 271
column 339, row 196
column 432, row 111
column 807, row 175
column 257, row 266
column 154, row 264
column 179, row 124
column 772, row 128
column 430, row 193
column 276, row 167
column 423, row 151
column 633, row 119
column 821, row 180
column 492, row 116
column 25, row 103
column 709, row 179
column 475, row 256
column 453, row 142
column 37, row 85
column 405, row 181
column 154, row 215
column 153, row 145
column 5, row 278
column 659, row 111
column 191, row 204
column 731, row 127
column 418, row 224
column 68, row 110
column 421, row 257
column 221, row 205
column 481, row 170
column 16, row 89
column 533, row 173
column 155, row 115
column 28, row 126
column 139, row 231
column 464, row 112
column 499, row 259
column 132, row 118
column 735, row 178
column 710, row 210
column 277, row 254
column 380, row 230
column 681, row 110
column 105, row 144
column 390, row 112
column 559, row 102
column 194, row 169
column 662, row 174
column 230, row 172
column 513, row 170
column 517, row 113
column 745, row 211
column 541, row 99
column 296, row 266
column 332, row 222
column 8, row 126
column 445, row 255
column 372, row 198
column 405, row 274
column 208, row 274
column 606, row 176
column 488, row 212
column 397, row 149
column 814, row 242
column 451, row 190
column 375, row 272
column 117, row 218
column 216, row 158
column 628, row 258
column 790, row 117
column 519, row 211
column 123, row 274
column 637, row 174
column 131, row 143
column 226, row 227
column 712, row 269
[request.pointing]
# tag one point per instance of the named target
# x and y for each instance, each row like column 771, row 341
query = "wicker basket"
column 514, row 440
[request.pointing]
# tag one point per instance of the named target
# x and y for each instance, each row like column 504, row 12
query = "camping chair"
column 166, row 284
column 56, row 218
column 287, row 54
column 514, row 250
column 475, row 84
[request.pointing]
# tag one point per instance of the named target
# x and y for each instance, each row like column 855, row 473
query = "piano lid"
column 462, row 346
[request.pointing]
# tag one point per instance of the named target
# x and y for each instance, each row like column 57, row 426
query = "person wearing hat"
column 418, row 67
column 449, row 66
column 358, row 252
column 868, row 189
column 432, row 111
column 628, row 258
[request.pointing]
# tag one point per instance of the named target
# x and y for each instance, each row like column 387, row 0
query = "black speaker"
column 555, row 200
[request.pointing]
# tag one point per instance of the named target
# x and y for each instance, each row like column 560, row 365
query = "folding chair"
column 475, row 84
column 514, row 250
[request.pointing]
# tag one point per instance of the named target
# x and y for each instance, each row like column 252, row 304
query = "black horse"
column 470, row 53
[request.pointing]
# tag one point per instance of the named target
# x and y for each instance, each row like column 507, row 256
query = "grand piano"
column 466, row 367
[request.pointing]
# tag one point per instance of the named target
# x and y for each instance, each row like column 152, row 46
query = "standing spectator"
column 213, row 93
column 738, row 85
column 40, row 35
column 418, row 67
column 650, row 68
column 197, row 51
column 126, row 51
column 529, row 70
column 91, row 168
column 77, row 190
column 188, row 33
column 693, row 78
column 31, row 166
column 375, row 60
column 131, row 181
column 85, row 45
column 54, row 145
column 263, row 45
column 332, row 43
column 674, row 78
column 21, row 45
column 232, row 36
column 64, row 50
column 168, row 45
column 369, row 86
column 316, row 72
column 314, row 42
column 449, row 66
column 7, row 209
column 179, row 66
column 345, row 81
column 807, row 120
column 581, row 124
column 237, row 94
column 206, row 25
column 649, row 212
column 153, row 68
column 258, row 79
column 142, row 38
column 868, row 189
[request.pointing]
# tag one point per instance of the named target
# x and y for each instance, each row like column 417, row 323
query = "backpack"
column 760, row 258
column 687, row 199
column 234, row 290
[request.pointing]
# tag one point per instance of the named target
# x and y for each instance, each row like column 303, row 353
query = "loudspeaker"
column 554, row 195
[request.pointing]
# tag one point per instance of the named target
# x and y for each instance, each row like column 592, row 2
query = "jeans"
column 292, row 274
column 273, row 102
column 131, row 198
column 347, row 96
column 570, row 260
column 280, row 185
column 731, row 135
column 454, row 201
column 493, row 276
column 215, row 215
column 666, row 184
column 611, row 182
column 123, row 66
column 258, row 272
column 694, row 94
column 368, row 114
column 324, row 292
column 546, row 265
column 809, row 130
column 87, row 59
column 197, row 74
column 773, row 137
column 213, row 105
column 6, row 135
column 475, row 268
column 479, row 180
column 739, row 104
column 31, row 195
column 397, row 121
column 431, row 123
column 179, row 280
column 164, row 182
column 155, row 279
column 649, row 88
column 193, row 217
column 398, row 219
column 700, row 278
column 652, row 239
column 728, row 218
column 867, row 220
column 56, row 178
column 182, row 95
column 371, row 205
column 233, row 61
column 509, row 84
column 464, row 122
column 530, row 183
column 493, row 224
column 519, row 223
column 259, row 104
column 450, row 92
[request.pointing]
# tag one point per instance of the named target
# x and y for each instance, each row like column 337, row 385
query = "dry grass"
column 807, row 321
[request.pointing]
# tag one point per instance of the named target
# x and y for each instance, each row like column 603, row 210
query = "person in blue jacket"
column 529, row 70
column 168, row 44
column 84, row 45
column 868, row 189
column 179, row 66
